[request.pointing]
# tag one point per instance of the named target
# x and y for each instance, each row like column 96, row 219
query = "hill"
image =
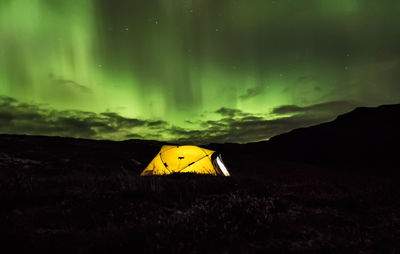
column 364, row 137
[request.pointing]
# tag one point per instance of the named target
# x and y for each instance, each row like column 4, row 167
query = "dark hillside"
column 363, row 138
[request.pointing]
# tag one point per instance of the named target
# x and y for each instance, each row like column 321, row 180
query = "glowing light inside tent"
column 222, row 167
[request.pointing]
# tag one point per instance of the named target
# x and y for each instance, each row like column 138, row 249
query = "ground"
column 63, row 205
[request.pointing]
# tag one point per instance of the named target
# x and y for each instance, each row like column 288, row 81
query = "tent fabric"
column 183, row 159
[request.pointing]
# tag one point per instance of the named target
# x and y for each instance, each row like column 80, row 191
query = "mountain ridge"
column 366, row 136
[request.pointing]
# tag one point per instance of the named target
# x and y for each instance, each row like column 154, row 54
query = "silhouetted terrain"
column 296, row 193
column 366, row 138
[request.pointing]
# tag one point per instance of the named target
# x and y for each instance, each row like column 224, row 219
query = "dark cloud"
column 23, row 118
column 157, row 124
column 123, row 122
column 230, row 112
column 329, row 107
column 73, row 84
column 242, row 129
column 234, row 125
column 239, row 126
column 252, row 92
column 133, row 136
column 287, row 109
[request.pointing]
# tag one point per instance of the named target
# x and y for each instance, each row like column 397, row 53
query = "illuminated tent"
column 186, row 159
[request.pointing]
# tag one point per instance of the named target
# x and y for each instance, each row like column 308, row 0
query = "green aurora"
column 192, row 71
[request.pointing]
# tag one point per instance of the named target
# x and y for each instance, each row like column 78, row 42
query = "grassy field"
column 283, row 210
column 79, row 196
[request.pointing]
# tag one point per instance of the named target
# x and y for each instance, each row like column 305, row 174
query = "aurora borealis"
column 192, row 71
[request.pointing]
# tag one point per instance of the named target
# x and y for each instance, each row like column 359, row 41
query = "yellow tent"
column 186, row 159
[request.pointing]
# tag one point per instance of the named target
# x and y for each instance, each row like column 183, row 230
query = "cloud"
column 133, row 136
column 327, row 107
column 252, row 92
column 24, row 118
column 238, row 126
column 229, row 112
column 157, row 124
column 242, row 129
column 123, row 122
column 234, row 125
column 72, row 84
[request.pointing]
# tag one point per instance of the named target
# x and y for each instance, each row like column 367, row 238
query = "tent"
column 186, row 159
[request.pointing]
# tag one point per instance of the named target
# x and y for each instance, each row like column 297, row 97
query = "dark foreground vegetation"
column 72, row 198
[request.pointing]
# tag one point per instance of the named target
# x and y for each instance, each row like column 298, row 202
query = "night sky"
column 192, row 71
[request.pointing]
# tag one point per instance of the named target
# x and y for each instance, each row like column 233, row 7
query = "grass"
column 192, row 213
column 76, row 196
